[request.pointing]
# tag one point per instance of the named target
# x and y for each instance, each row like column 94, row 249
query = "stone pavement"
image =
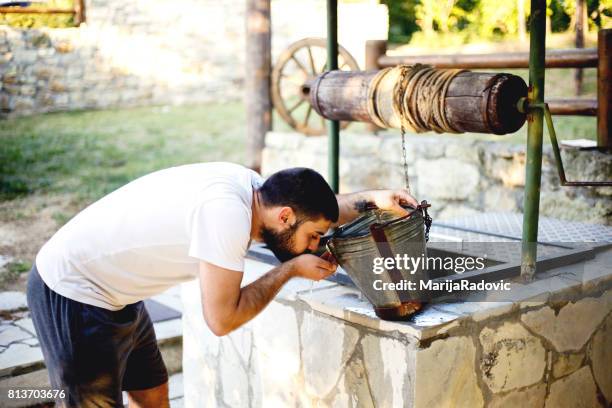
column 21, row 360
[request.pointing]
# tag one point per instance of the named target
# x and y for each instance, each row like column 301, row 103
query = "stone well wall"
column 457, row 175
column 323, row 347
column 157, row 52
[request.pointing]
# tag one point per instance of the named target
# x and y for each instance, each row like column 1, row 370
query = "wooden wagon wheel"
column 296, row 68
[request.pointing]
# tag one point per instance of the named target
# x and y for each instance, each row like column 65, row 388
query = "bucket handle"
column 422, row 208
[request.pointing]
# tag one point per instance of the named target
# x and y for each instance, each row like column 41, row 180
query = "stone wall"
column 156, row 52
column 457, row 175
column 316, row 347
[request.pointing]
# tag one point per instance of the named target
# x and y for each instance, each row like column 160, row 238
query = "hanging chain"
column 399, row 92
column 423, row 207
column 426, row 220
column 405, row 160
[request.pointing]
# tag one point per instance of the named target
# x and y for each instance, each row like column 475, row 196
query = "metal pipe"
column 535, row 129
column 333, row 126
column 566, row 58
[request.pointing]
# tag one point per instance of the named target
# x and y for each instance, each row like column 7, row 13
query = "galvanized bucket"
column 381, row 234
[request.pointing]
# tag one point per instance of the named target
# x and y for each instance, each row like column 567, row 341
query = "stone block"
column 445, row 375
column 568, row 330
column 322, row 336
column 25, row 57
column 387, row 365
column 532, row 397
column 353, row 389
column 509, row 170
column 201, row 374
column 276, row 353
column 558, row 204
column 499, row 198
column 392, row 176
column 600, row 353
column 390, row 150
column 512, row 358
column 12, row 300
column 576, row 390
column 448, row 179
column 233, row 375
column 18, row 357
column 567, row 363
column 241, row 342
column 362, row 173
column 284, row 140
column 463, row 150
column 358, row 144
column 11, row 334
column 28, row 90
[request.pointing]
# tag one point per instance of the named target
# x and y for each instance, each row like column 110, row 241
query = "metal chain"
column 427, row 221
column 400, row 91
column 405, row 158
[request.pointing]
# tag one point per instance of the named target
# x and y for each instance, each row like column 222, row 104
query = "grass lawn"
column 53, row 165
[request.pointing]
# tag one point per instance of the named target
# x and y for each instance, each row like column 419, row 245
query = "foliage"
column 402, row 20
column 31, row 20
column 483, row 19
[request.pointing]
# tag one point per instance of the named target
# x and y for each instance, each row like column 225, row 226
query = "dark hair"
column 302, row 189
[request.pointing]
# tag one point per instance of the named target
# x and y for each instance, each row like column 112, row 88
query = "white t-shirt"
column 151, row 233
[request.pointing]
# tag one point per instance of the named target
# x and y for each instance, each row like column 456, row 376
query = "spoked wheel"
column 295, row 70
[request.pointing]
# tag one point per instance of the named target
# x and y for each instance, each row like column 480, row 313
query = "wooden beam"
column 475, row 101
column 258, row 66
column 577, row 107
column 570, row 58
column 80, row 12
column 35, row 10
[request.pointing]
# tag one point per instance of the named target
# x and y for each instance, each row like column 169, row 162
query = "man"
column 86, row 288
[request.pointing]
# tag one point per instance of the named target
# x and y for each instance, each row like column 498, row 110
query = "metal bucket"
column 381, row 234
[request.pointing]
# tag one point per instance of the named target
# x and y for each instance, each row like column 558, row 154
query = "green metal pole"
column 333, row 126
column 535, row 129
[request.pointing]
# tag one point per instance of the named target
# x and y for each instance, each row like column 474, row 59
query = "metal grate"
column 550, row 230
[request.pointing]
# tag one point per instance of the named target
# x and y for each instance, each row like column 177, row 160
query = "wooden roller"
column 474, row 102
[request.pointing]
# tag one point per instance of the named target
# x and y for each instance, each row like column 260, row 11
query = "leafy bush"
column 483, row 19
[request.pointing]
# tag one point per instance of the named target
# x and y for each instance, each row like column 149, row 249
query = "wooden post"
column 258, row 66
column 604, row 89
column 374, row 50
column 79, row 16
column 579, row 41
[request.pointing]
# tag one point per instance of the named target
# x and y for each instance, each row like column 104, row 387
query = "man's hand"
column 311, row 267
column 391, row 200
column 351, row 205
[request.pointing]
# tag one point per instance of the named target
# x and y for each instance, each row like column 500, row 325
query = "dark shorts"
column 94, row 353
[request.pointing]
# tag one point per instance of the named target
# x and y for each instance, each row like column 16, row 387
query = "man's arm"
column 351, row 205
column 227, row 306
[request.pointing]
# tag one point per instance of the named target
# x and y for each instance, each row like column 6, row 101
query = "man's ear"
column 286, row 216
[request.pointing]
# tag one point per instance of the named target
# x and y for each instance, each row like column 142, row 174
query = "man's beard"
column 281, row 243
